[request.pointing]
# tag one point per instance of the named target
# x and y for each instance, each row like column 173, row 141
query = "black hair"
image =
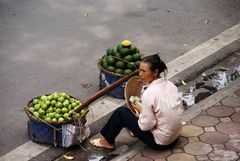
column 155, row 62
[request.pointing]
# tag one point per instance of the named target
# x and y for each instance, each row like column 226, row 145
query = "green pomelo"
column 111, row 69
column 48, row 119
column 118, row 55
column 60, row 119
column 109, row 51
column 120, row 64
column 124, row 52
column 136, row 57
column 119, row 47
column 36, row 107
column 54, row 120
column 51, row 115
column 133, row 49
column 64, row 110
column 57, row 116
column 114, row 51
column 110, row 61
column 131, row 66
column 105, row 65
column 128, row 58
column 31, row 109
column 127, row 71
column 43, row 98
column 36, row 114
column 53, row 102
column 58, row 110
column 119, row 71
column 35, row 101
column 49, row 97
column 66, row 103
column 58, row 105
column 49, row 110
column 137, row 63
column 61, row 99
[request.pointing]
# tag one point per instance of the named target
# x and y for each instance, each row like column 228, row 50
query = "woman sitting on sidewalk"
column 158, row 123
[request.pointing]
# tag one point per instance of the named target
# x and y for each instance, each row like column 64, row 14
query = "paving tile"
column 231, row 101
column 234, row 136
column 181, row 157
column 193, row 139
column 203, row 113
column 218, row 104
column 223, row 155
column 180, row 142
column 156, row 154
column 218, row 147
column 160, row 160
column 188, row 123
column 220, row 111
column 202, row 158
column 204, row 121
column 237, row 92
column 177, row 150
column 236, row 117
column 197, row 148
column 225, row 119
column 237, row 109
column 139, row 158
column 214, row 137
column 191, row 130
column 207, row 129
column 228, row 127
column 233, row 145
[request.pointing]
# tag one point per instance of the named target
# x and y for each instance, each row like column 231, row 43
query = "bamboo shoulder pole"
column 105, row 90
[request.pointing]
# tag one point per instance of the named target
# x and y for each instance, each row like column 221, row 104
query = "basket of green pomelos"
column 117, row 63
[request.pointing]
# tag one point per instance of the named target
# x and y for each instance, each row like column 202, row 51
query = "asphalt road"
column 54, row 45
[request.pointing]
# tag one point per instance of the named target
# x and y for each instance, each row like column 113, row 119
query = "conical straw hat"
column 133, row 88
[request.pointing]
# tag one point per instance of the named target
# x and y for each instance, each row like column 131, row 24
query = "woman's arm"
column 147, row 119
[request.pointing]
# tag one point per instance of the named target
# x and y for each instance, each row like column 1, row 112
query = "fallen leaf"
column 86, row 85
column 204, row 74
column 184, row 83
column 206, row 21
column 184, row 123
column 222, row 69
column 68, row 157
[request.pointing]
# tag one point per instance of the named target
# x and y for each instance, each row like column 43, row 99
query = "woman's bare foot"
column 101, row 143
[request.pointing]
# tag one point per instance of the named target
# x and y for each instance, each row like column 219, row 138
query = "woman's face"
column 146, row 75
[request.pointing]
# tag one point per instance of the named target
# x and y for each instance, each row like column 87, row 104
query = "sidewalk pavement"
column 211, row 132
column 214, row 134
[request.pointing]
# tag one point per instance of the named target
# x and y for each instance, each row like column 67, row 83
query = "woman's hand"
column 137, row 106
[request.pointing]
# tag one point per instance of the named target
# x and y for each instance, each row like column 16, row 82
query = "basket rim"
column 112, row 73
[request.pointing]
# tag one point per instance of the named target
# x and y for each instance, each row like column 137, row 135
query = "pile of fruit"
column 122, row 60
column 55, row 107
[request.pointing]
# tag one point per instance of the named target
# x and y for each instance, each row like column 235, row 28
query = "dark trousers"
column 123, row 117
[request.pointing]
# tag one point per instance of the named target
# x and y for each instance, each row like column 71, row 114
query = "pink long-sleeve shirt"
column 161, row 111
